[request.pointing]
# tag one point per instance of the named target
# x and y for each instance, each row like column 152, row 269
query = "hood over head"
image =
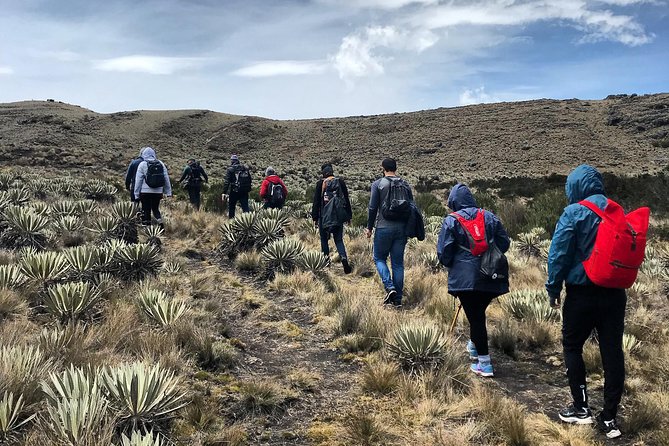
column 270, row 171
column 583, row 182
column 141, row 151
column 461, row 198
column 234, row 159
column 148, row 154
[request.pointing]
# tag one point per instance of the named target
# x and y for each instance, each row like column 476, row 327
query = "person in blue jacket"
column 586, row 306
column 130, row 174
column 464, row 278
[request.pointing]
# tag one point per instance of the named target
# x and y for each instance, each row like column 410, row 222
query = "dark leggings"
column 150, row 203
column 603, row 309
column 194, row 195
column 475, row 304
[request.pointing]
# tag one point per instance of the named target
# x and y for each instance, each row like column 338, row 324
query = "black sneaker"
column 609, row 428
column 347, row 266
column 391, row 297
column 573, row 415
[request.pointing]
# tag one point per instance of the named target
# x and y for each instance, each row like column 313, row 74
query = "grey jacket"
column 140, row 185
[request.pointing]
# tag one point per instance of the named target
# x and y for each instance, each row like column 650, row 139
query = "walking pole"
column 455, row 319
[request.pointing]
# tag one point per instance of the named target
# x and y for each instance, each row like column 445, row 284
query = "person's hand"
column 555, row 301
column 316, row 223
column 368, row 232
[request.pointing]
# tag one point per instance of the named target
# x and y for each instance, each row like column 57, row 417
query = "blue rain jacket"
column 575, row 232
column 463, row 267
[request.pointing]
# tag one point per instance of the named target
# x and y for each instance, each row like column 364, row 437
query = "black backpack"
column 155, row 174
column 276, row 195
column 195, row 177
column 398, row 203
column 242, row 182
column 494, row 265
column 333, row 213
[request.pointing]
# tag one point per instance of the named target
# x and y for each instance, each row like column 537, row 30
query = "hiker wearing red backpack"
column 272, row 190
column 471, row 244
column 596, row 251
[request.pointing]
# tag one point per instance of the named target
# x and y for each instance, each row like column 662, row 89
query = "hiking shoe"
column 347, row 266
column 609, row 428
column 482, row 370
column 471, row 349
column 391, row 297
column 575, row 415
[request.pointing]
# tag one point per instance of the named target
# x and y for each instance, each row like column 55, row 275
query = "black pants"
column 150, row 203
column 587, row 308
column 338, row 236
column 234, row 198
column 194, row 195
column 475, row 304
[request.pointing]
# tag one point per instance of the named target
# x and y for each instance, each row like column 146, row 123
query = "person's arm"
column 139, row 179
column 204, row 174
column 130, row 175
column 263, row 188
column 373, row 208
column 502, row 239
column 167, row 188
column 316, row 206
column 446, row 243
column 560, row 257
column 185, row 174
column 347, row 199
column 228, row 181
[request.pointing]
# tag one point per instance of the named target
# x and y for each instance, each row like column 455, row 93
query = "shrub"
column 249, row 261
column 380, row 377
column 11, row 418
column 263, row 396
column 137, row 262
column 24, row 228
column 159, row 308
column 545, row 210
column 21, row 369
column 70, row 301
column 282, row 255
column 430, row 205
column 313, row 261
column 417, row 345
column 529, row 305
column 137, row 438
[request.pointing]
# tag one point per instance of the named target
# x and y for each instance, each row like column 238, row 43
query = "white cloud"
column 477, row 96
column 379, row 4
column 148, row 64
column 6, row 70
column 357, row 58
column 282, row 68
column 597, row 24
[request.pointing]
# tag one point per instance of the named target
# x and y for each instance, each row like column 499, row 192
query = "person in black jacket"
column 237, row 186
column 130, row 175
column 321, row 196
column 194, row 175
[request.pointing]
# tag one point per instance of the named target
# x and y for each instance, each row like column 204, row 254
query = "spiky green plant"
column 83, row 261
column 313, row 261
column 21, row 369
column 281, row 216
column 63, row 343
column 433, row 228
column 255, row 206
column 69, row 224
column 19, row 195
column 282, row 255
column 417, row 345
column 11, row 418
column 142, row 393
column 65, row 208
column 266, row 231
column 529, row 305
column 630, row 343
column 431, row 261
column 137, row 438
column 105, row 227
column 40, row 208
column 136, row 262
column 86, row 207
column 76, row 405
column 158, row 307
column 11, row 277
column 153, row 234
column 307, row 226
column 71, row 301
column 24, row 228
column 171, row 268
column 99, row 190
column 125, row 214
column 45, row 268
column 238, row 234
column 7, row 180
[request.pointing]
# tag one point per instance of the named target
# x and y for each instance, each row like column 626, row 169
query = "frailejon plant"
column 431, row 261
column 11, row 419
column 105, row 227
column 136, row 262
column 417, row 346
column 531, row 243
column 45, row 268
column 282, row 255
column 137, row 438
column 19, row 195
column 21, row 369
column 267, row 230
column 153, row 234
column 313, row 261
column 142, row 393
column 125, row 214
column 171, row 268
column 11, row 277
column 24, row 228
column 76, row 405
column 71, row 301
column 529, row 305
column 83, row 261
column 158, row 307
column 65, row 208
column 99, row 190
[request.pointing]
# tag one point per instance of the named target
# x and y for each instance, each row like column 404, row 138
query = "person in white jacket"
column 151, row 182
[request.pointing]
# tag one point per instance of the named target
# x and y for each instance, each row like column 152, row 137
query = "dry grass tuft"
column 380, row 377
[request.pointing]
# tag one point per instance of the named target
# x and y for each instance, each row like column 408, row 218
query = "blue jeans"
column 338, row 235
column 390, row 241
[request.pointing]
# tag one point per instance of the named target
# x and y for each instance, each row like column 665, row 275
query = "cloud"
column 380, row 4
column 148, row 64
column 596, row 24
column 357, row 57
column 6, row 70
column 282, row 68
column 477, row 96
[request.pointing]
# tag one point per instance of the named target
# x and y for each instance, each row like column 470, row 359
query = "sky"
column 293, row 59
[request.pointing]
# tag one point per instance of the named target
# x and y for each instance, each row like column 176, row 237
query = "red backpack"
column 475, row 231
column 620, row 245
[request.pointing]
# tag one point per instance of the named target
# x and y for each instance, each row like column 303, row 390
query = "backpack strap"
column 594, row 208
column 459, row 218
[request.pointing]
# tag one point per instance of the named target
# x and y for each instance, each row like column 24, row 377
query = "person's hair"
column 327, row 170
column 192, row 160
column 270, row 171
column 389, row 165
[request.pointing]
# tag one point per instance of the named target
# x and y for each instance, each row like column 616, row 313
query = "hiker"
column 194, row 175
column 131, row 173
column 273, row 191
column 237, row 186
column 390, row 209
column 151, row 182
column 471, row 239
column 331, row 209
column 587, row 305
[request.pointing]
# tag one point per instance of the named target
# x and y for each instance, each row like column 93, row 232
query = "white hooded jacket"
column 140, row 184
